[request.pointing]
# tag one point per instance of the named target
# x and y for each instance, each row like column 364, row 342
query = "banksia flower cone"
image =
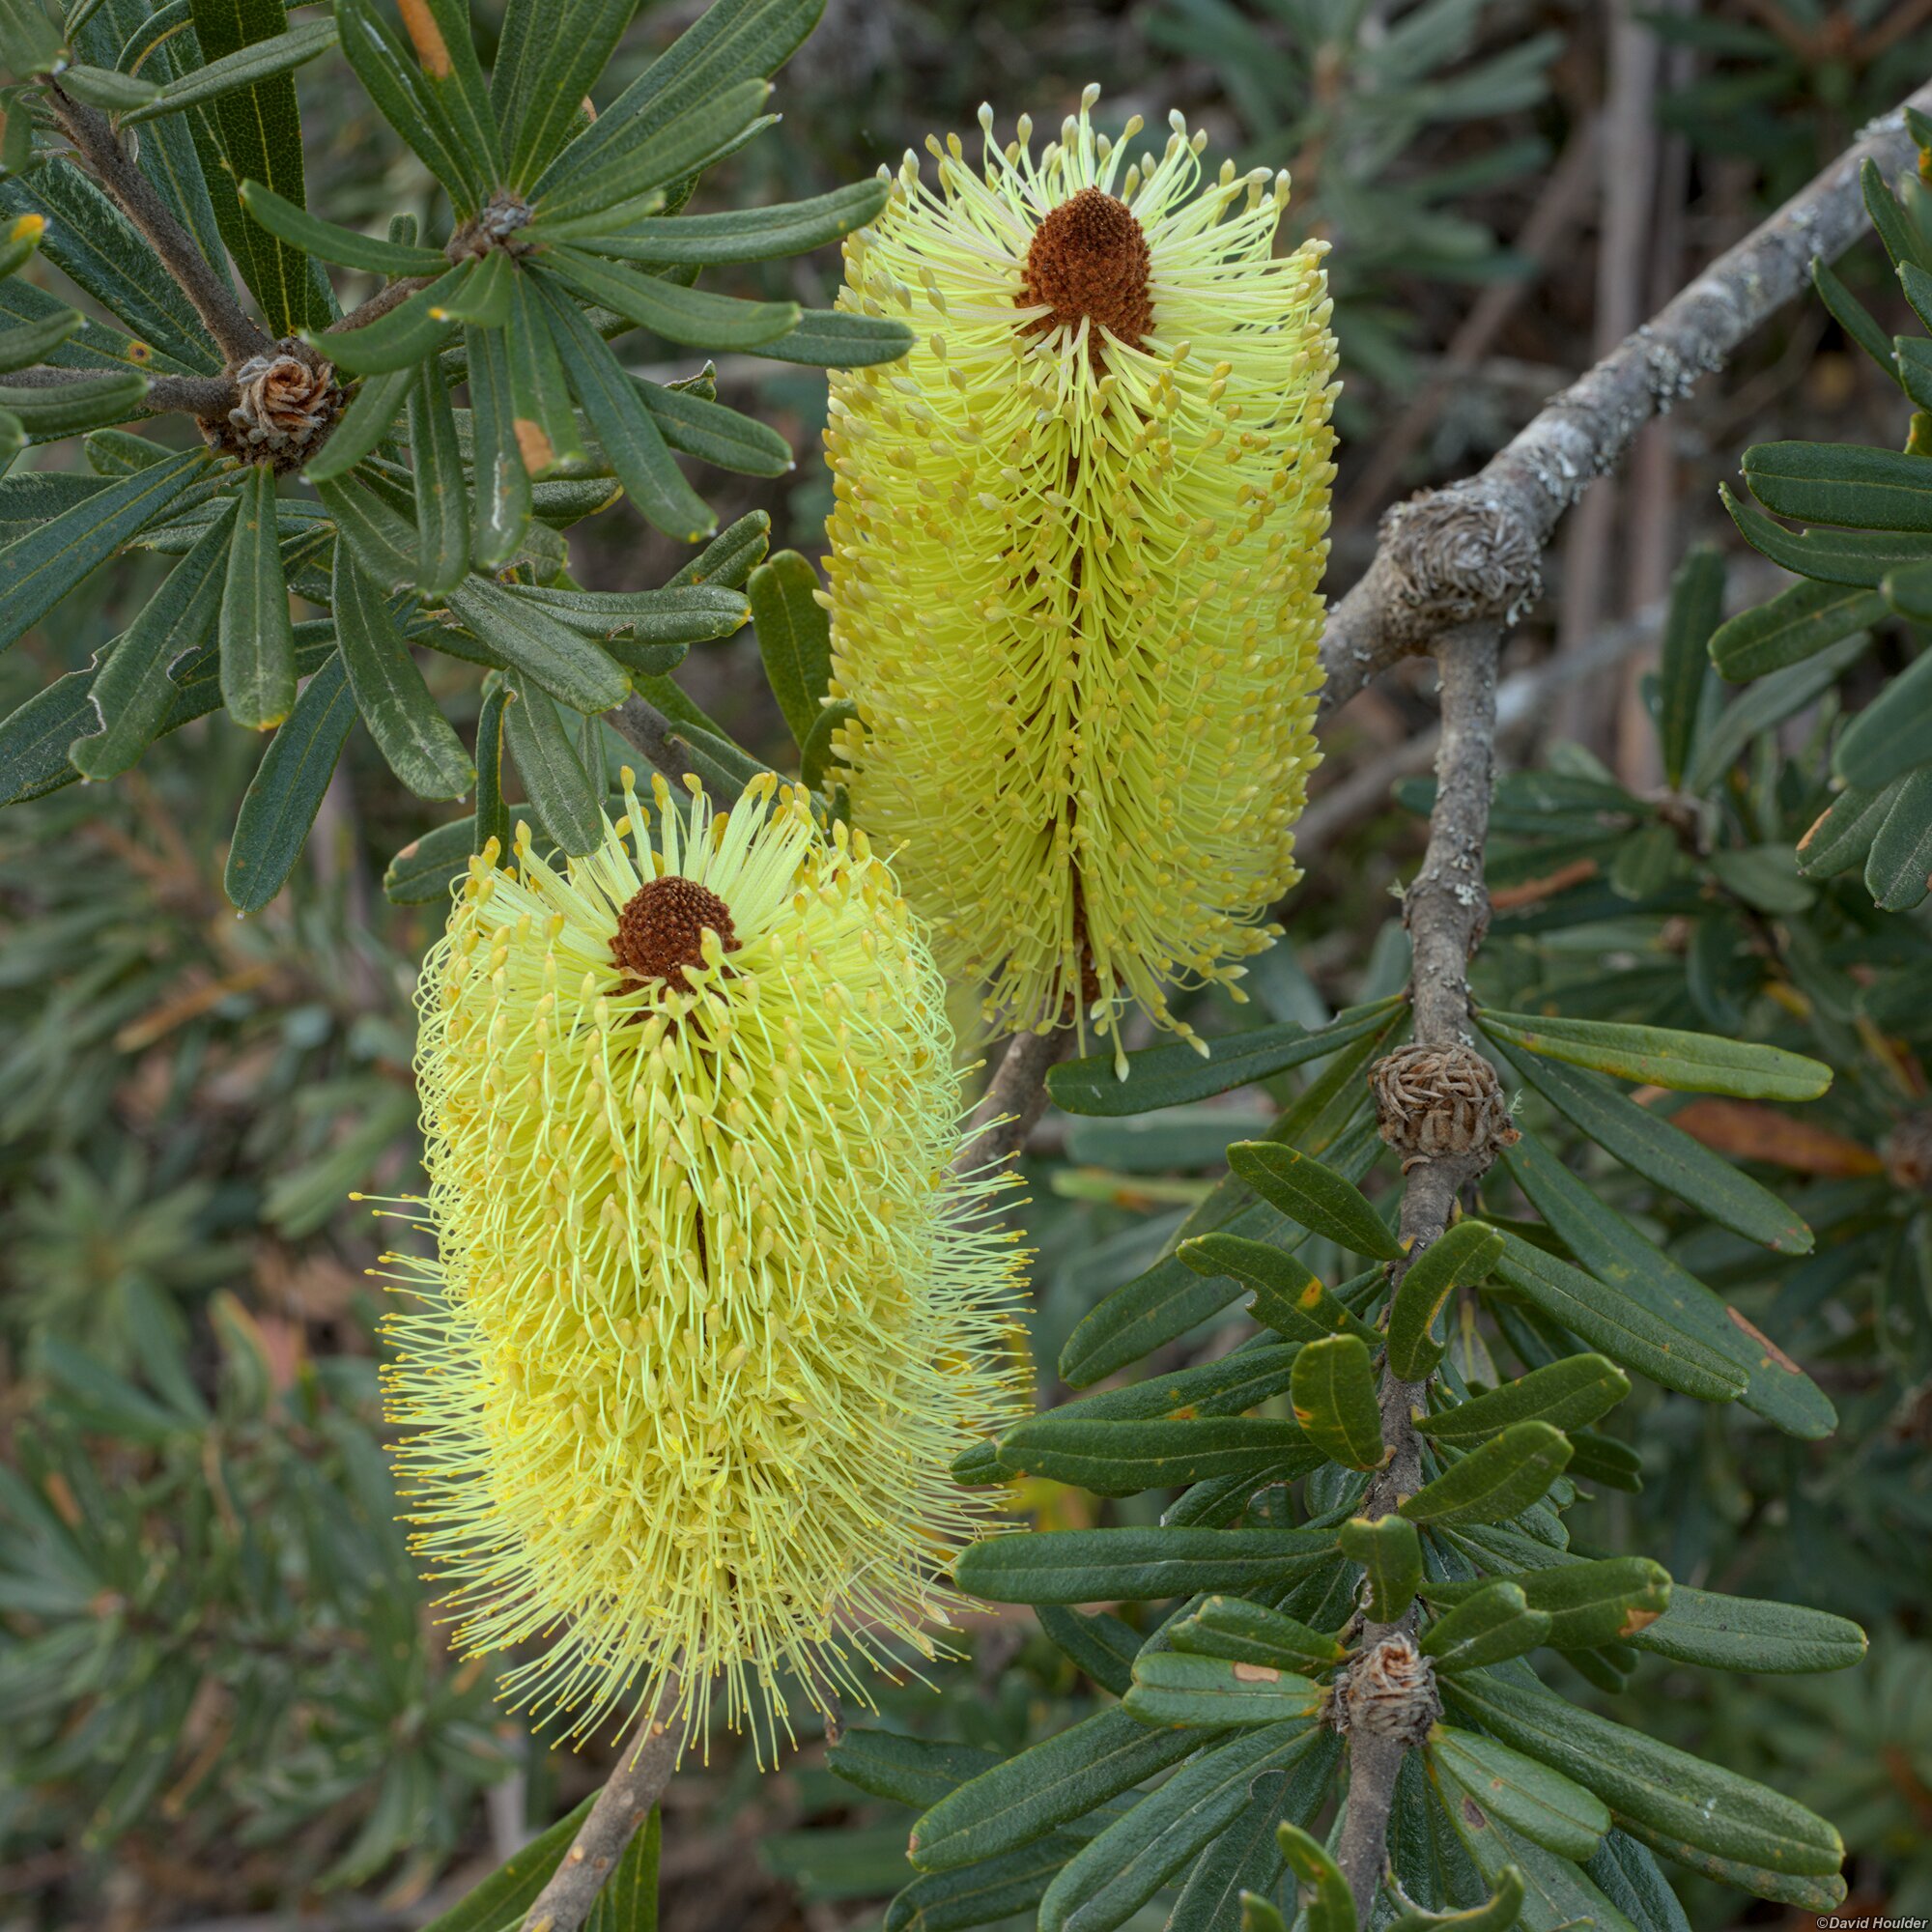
column 711, row 1315
column 1076, row 552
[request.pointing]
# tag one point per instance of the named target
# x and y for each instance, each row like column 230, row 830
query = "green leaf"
column 1842, row 483
column 835, row 339
column 1853, row 316
column 1492, row 1624
column 438, row 33
column 34, row 341
column 87, row 402
column 1114, row 1874
column 403, row 94
column 134, row 689
column 1671, row 1160
column 1555, row 1892
column 1175, row 1687
column 1796, row 624
column 1315, row 1197
column 1290, row 1299
column 750, row 234
column 501, row 502
column 1088, row 1566
column 286, row 791
column 1663, row 1057
column 1390, row 1553
column 512, row 1888
column 1462, row 1255
column 1626, row 1332
column 1240, row 1631
column 1048, row 1784
column 547, row 425
column 1891, row 736
column 567, row 805
column 1767, row 704
column 1334, row 1397
column 629, row 1900
column 794, row 637
column 1495, row 1481
column 818, row 752
column 442, row 499
column 1547, row 1808
column 1642, row 1277
column 365, row 424
column 263, row 61
column 257, row 635
column 423, row 872
column 107, row 88
column 550, row 53
column 1121, row 1458
column 414, row 738
column 625, row 426
column 1588, row 1604
column 1500, row 1913
column 261, row 137
column 570, row 668
column 385, row 546
column 677, row 314
column 1654, row 1791
column 1862, row 558
column 909, row 1771
column 1749, row 1633
column 325, row 240
column 1695, row 609
column 1328, row 1905
column 1170, row 1298
column 411, row 331
column 486, row 300
column 1899, row 865
column 984, row 1894
column 714, row 434
column 1260, row 1914
column 1171, row 1077
column 1101, row 1644
column 1566, row 1395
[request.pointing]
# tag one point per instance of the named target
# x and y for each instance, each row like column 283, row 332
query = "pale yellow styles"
column 1074, row 579
column 711, row 1317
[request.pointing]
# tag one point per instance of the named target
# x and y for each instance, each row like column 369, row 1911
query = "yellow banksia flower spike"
column 1076, row 548
column 711, row 1314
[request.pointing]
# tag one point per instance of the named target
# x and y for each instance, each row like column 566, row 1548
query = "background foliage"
column 221, row 1688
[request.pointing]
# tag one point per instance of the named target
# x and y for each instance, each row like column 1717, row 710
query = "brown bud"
column 1434, row 1103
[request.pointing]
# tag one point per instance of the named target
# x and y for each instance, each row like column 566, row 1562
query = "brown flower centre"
column 1090, row 258
column 661, row 931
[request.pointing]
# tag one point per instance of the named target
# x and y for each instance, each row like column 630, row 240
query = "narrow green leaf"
column 980, row 1894
column 546, row 426
column 729, row 559
column 1555, row 1892
column 87, row 402
column 750, row 234
column 257, row 635
column 1766, row 704
column 1289, row 1298
column 502, row 1898
column 1315, row 1197
column 1566, row 1395
column 1240, row 1631
column 837, row 339
column 1860, row 558
column 1050, row 1783
column 1500, row 1913
column 1334, row 1397
column 567, row 805
column 410, row 333
column 414, row 738
column 443, row 503
column 1327, row 1904
column 314, row 236
column 425, row 870
column 553, row 51
column 1842, row 483
column 403, row 94
column 677, row 314
column 1495, row 1481
column 501, row 504
column 1697, row 608
column 1124, row 1457
column 261, row 137
column 107, row 88
column 365, row 424
column 1891, row 736
column 439, row 32
column 1088, row 1566
column 794, row 637
column 570, row 668
column 1261, row 1914
column 384, row 545
column 1793, row 626
column 134, row 689
column 694, row 426
column 1390, row 1553
column 1663, row 1155
column 1547, row 1808
column 624, row 425
column 1492, row 1624
column 1588, row 1604
column 819, row 752
column 1853, row 316
column 286, row 791
column 1171, row 1077
column 35, row 341
column 1461, row 1256
column 1629, row 1334
column 486, row 298
column 1173, row 1686
column 1653, row 1790
column 1663, row 1057
column 1101, row 1644
column 1113, row 1875
column 1898, row 869
column 264, row 60
column 1641, row 1276
column 909, row 1771
column 1749, row 1633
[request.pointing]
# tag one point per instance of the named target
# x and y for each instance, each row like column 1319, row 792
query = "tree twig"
column 235, row 333
column 1014, row 1098
column 212, row 396
column 392, row 295
column 641, row 724
column 1473, row 551
column 1446, row 910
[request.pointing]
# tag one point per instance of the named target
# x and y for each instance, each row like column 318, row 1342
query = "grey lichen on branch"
column 1472, row 551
